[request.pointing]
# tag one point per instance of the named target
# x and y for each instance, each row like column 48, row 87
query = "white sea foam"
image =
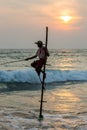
column 30, row 76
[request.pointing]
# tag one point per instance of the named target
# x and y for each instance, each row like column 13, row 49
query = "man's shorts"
column 38, row 64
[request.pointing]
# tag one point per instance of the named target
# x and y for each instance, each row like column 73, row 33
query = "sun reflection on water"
column 65, row 100
column 65, row 63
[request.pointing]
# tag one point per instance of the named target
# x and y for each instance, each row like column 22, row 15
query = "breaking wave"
column 52, row 76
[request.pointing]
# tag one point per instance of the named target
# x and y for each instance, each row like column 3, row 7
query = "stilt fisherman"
column 42, row 53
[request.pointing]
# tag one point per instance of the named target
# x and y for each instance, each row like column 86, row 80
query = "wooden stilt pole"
column 43, row 81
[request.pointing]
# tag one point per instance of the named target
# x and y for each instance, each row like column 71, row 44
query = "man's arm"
column 32, row 57
column 46, row 51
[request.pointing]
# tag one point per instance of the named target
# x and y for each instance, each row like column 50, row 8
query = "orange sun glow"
column 66, row 19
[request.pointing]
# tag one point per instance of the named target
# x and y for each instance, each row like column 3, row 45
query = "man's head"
column 39, row 43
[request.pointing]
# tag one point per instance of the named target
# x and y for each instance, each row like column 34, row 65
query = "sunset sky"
column 23, row 22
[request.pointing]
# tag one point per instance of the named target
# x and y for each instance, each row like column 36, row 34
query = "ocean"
column 65, row 91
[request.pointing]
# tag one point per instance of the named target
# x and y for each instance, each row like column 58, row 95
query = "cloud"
column 35, row 12
column 21, row 21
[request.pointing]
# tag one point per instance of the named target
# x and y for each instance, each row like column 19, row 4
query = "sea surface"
column 65, row 94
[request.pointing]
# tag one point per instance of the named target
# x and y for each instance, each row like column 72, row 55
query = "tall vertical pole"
column 43, row 81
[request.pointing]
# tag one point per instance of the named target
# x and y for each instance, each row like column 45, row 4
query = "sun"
column 66, row 19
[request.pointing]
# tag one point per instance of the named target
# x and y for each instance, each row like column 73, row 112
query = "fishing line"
column 17, row 61
column 11, row 62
